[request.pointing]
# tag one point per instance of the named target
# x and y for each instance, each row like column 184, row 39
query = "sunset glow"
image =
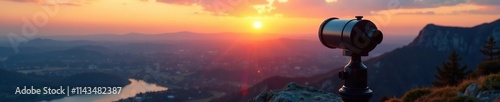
column 257, row 24
column 279, row 16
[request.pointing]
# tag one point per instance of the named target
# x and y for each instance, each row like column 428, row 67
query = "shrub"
column 436, row 99
column 487, row 67
column 463, row 86
column 414, row 94
column 383, row 99
column 490, row 82
column 444, row 92
column 393, row 100
column 463, row 99
column 439, row 95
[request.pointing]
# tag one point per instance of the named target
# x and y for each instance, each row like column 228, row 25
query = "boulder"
column 488, row 95
column 460, row 94
column 471, row 90
column 295, row 93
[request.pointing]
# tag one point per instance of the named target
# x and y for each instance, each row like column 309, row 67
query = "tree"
column 489, row 49
column 451, row 72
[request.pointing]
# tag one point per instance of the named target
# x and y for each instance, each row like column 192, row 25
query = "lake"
column 135, row 87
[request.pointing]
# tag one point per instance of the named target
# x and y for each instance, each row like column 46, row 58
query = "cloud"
column 294, row 8
column 59, row 2
column 487, row 10
column 429, row 3
column 442, row 10
column 222, row 7
column 325, row 8
column 485, row 2
column 314, row 8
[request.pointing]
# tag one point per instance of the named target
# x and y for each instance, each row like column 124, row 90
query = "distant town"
column 213, row 69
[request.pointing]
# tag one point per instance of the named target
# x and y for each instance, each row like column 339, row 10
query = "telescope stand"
column 355, row 79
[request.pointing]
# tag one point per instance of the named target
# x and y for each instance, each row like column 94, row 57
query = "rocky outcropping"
column 462, row 39
column 488, row 96
column 482, row 96
column 295, row 93
column 471, row 90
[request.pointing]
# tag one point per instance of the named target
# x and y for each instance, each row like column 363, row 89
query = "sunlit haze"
column 63, row 17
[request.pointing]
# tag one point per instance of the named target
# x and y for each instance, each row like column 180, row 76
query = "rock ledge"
column 295, row 93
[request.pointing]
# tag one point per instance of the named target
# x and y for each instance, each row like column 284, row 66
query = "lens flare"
column 257, row 24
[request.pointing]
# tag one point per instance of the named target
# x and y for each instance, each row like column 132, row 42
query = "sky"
column 393, row 17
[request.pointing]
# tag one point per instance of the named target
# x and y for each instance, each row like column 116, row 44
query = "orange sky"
column 405, row 17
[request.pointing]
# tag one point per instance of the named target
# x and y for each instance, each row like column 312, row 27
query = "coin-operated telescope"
column 356, row 37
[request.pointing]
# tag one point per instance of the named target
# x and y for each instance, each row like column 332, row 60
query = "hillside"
column 482, row 89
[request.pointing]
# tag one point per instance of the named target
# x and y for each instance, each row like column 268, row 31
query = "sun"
column 257, row 24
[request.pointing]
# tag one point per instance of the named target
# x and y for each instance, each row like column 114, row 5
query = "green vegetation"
column 414, row 94
column 489, row 49
column 490, row 82
column 491, row 64
column 442, row 94
column 462, row 86
column 449, row 93
column 486, row 68
column 451, row 72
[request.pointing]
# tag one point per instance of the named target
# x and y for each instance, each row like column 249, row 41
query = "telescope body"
column 357, row 37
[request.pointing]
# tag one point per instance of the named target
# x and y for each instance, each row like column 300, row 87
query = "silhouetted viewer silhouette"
column 356, row 37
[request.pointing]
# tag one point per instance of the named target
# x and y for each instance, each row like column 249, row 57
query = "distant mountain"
column 42, row 42
column 60, row 58
column 77, row 54
column 41, row 45
column 467, row 41
column 186, row 37
column 412, row 66
column 140, row 37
